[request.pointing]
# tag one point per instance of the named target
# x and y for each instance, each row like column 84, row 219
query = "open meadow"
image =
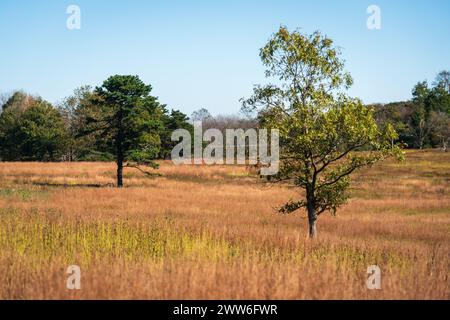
column 212, row 232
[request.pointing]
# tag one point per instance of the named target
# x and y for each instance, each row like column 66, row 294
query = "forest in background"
column 32, row 129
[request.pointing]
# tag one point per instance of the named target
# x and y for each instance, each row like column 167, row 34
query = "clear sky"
column 206, row 53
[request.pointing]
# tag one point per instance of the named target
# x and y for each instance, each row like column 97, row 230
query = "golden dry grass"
column 211, row 232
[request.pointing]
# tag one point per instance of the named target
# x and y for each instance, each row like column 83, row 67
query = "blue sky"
column 206, row 53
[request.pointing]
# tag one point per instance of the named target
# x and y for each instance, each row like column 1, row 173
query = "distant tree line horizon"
column 32, row 129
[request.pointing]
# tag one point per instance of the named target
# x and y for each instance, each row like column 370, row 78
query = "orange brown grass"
column 211, row 232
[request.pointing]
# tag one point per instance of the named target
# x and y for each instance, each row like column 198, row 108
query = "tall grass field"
column 213, row 232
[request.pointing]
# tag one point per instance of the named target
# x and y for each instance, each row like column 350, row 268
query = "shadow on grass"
column 76, row 185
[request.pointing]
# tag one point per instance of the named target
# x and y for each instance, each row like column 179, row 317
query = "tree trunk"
column 119, row 147
column 119, row 173
column 119, row 162
column 312, row 220
column 312, row 216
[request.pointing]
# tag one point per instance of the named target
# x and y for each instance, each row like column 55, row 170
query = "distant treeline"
column 32, row 129
column 423, row 121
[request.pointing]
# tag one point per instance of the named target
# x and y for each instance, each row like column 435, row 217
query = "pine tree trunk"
column 119, row 173
column 120, row 156
column 119, row 162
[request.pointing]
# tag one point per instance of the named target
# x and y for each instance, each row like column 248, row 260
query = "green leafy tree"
column 74, row 110
column 173, row 121
column 31, row 129
column 12, row 110
column 443, row 80
column 440, row 99
column 42, row 133
column 399, row 115
column 440, row 129
column 321, row 130
column 18, row 101
column 422, row 108
column 428, row 100
column 78, row 110
column 128, row 118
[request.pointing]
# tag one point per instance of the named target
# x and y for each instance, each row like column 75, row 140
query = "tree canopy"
column 31, row 129
column 128, row 118
column 324, row 134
